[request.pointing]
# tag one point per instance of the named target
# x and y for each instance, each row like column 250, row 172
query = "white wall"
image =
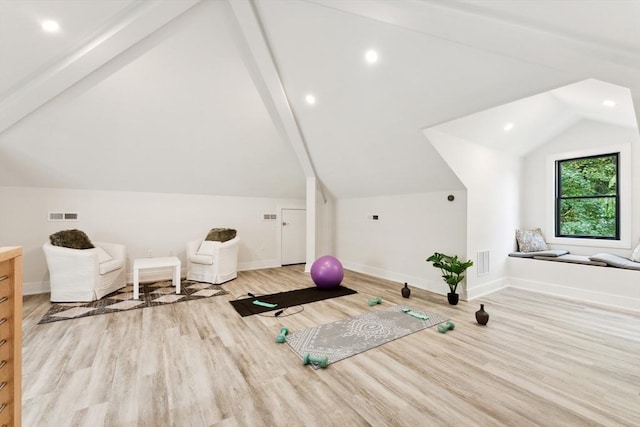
column 506, row 192
column 492, row 180
column 584, row 135
column 157, row 222
column 410, row 228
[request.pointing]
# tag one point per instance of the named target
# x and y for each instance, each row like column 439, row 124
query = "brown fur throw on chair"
column 221, row 234
column 74, row 239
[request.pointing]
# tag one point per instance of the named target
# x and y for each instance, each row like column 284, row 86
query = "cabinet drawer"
column 6, row 349
column 6, row 390
column 6, row 305
column 6, row 328
column 5, row 270
column 10, row 336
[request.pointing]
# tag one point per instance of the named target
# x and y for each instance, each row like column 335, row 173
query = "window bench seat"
column 579, row 278
column 573, row 259
column 600, row 259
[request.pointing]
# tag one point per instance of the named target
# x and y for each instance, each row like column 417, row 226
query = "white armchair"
column 212, row 262
column 80, row 275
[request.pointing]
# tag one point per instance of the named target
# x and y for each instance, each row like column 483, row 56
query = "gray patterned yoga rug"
column 345, row 338
column 151, row 295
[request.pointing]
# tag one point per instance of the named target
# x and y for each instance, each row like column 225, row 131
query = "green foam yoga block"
column 414, row 314
column 264, row 304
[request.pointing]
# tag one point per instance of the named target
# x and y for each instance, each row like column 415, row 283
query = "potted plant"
column 452, row 272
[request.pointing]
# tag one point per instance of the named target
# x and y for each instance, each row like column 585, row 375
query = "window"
column 587, row 200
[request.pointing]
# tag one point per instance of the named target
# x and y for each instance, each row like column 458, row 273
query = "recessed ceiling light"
column 508, row 127
column 371, row 56
column 609, row 103
column 50, row 26
column 310, row 99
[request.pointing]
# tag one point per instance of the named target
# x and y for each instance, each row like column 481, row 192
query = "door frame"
column 280, row 208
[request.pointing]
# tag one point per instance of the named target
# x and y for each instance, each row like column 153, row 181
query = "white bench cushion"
column 573, row 259
column 616, row 261
column 547, row 253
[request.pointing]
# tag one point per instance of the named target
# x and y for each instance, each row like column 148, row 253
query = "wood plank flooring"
column 540, row 361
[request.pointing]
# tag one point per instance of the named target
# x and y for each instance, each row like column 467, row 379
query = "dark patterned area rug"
column 345, row 338
column 151, row 295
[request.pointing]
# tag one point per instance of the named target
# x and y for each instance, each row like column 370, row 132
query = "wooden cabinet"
column 10, row 336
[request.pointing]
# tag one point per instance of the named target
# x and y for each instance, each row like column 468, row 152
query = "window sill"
column 599, row 243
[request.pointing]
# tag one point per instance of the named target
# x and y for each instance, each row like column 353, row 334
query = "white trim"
column 258, row 265
column 279, row 209
column 36, row 288
column 439, row 287
column 626, row 202
column 615, row 287
column 592, row 297
column 149, row 275
column 486, row 288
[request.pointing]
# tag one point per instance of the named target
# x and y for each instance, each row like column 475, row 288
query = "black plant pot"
column 453, row 298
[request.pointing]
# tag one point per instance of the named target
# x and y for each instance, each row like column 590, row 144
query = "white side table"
column 141, row 263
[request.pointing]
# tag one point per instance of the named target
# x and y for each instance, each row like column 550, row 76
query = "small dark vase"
column 406, row 291
column 482, row 317
column 453, row 298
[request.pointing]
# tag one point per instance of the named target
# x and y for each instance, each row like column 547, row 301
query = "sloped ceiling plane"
column 210, row 96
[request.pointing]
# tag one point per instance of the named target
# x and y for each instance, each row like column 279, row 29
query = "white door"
column 294, row 236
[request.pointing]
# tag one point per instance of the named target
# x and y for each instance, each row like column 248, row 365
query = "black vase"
column 453, row 298
column 482, row 317
column 406, row 291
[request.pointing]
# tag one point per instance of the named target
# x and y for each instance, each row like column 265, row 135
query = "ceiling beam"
column 143, row 19
column 264, row 71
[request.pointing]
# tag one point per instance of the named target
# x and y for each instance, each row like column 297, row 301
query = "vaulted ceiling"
column 208, row 96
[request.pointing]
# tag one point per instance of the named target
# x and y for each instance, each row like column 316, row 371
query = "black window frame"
column 559, row 198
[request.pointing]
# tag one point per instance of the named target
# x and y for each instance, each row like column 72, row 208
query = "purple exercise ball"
column 327, row 272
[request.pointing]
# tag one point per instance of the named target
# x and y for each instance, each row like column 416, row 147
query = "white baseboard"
column 413, row 281
column 148, row 275
column 258, row 265
column 600, row 298
column 35, row 288
column 627, row 302
column 614, row 287
column 486, row 289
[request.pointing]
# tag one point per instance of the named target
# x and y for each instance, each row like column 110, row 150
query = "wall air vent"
column 56, row 216
column 482, row 266
column 63, row 216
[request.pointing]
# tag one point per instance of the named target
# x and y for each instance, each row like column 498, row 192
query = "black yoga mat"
column 245, row 307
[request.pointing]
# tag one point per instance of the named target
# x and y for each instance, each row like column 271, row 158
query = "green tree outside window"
column 587, row 197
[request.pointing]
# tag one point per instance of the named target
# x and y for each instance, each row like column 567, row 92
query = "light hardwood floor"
column 539, row 361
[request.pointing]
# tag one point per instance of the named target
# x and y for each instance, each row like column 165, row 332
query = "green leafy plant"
column 451, row 267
